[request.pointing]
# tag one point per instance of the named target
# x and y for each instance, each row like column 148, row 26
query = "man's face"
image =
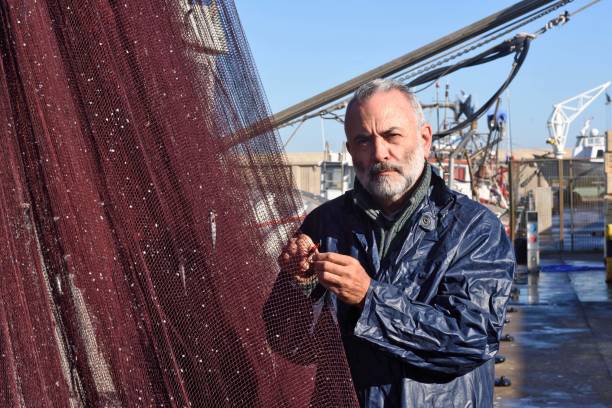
column 388, row 149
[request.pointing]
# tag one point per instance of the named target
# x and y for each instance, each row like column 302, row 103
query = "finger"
column 333, row 289
column 334, row 258
column 283, row 260
column 288, row 244
column 325, row 266
column 303, row 250
column 329, row 280
column 304, row 265
column 292, row 247
column 304, row 244
column 303, row 237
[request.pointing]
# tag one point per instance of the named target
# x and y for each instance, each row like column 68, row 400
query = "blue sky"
column 302, row 48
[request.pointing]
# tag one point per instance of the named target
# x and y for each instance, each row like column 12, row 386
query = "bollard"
column 533, row 246
column 609, row 253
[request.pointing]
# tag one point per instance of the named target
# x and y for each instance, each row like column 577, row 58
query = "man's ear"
column 348, row 146
column 427, row 138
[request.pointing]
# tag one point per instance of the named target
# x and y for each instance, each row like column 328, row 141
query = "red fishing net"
column 144, row 201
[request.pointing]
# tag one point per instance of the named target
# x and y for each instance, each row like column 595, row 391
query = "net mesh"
column 144, row 200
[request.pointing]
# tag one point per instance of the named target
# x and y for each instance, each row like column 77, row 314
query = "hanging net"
column 144, row 200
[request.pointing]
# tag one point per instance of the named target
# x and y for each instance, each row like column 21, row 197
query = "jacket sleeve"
column 459, row 329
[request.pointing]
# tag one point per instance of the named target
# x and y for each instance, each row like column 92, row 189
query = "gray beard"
column 385, row 190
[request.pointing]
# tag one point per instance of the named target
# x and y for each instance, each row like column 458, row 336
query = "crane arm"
column 564, row 114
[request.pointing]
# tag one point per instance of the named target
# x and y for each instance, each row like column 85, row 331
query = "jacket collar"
column 440, row 196
column 437, row 200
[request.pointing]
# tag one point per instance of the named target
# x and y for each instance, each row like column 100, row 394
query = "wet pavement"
column 561, row 355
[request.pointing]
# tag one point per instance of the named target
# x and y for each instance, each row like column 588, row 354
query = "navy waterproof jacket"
column 434, row 311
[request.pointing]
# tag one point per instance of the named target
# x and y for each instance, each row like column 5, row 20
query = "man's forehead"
column 382, row 116
column 381, row 104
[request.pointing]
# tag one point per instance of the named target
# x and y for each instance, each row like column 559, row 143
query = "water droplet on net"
column 183, row 277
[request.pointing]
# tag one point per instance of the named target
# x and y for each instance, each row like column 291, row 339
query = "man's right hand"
column 296, row 258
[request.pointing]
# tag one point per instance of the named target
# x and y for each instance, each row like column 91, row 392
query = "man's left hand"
column 342, row 275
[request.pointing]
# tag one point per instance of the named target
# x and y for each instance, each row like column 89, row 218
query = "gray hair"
column 385, row 85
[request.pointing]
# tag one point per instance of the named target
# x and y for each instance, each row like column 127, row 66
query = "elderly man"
column 419, row 275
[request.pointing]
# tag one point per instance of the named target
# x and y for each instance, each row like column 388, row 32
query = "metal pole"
column 451, row 171
column 446, row 93
column 481, row 26
column 458, row 149
column 438, row 107
column 341, row 172
column 571, row 193
column 561, row 204
column 512, row 204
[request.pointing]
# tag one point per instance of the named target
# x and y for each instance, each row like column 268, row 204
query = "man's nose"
column 381, row 150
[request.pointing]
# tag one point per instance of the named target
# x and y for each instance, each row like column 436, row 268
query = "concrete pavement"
column 562, row 352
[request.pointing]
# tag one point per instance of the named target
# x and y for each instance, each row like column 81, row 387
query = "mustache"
column 383, row 166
